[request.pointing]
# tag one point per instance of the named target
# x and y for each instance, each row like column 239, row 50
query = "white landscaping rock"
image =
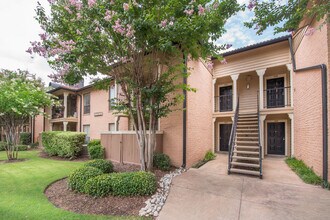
column 157, row 201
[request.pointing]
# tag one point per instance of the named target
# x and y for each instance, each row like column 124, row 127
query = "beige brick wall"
column 308, row 99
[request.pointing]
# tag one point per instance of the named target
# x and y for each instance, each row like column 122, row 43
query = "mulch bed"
column 45, row 155
column 59, row 194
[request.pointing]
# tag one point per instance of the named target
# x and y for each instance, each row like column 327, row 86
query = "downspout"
column 325, row 140
column 80, row 112
column 184, row 125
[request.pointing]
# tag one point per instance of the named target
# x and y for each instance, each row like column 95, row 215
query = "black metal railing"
column 223, row 103
column 232, row 139
column 277, row 97
column 260, row 145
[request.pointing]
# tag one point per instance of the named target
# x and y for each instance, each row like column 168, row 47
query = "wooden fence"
column 122, row 146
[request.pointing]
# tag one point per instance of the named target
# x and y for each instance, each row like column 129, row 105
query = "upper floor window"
column 112, row 96
column 87, row 103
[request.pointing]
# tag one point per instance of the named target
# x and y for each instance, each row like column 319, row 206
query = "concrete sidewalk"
column 209, row 193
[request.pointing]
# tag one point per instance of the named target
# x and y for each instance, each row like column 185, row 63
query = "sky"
column 18, row 27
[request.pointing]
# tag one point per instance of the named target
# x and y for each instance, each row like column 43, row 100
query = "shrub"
column 25, row 138
column 22, row 147
column 209, row 156
column 2, row 146
column 104, row 165
column 34, row 145
column 99, row 186
column 133, row 183
column 96, row 151
column 79, row 177
column 94, row 142
column 63, row 143
column 162, row 161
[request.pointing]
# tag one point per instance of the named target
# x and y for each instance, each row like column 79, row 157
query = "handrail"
column 260, row 147
column 232, row 139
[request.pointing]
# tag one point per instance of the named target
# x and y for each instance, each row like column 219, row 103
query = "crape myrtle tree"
column 140, row 44
column 22, row 96
column 286, row 15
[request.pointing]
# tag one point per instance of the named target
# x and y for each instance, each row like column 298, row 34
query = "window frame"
column 84, row 106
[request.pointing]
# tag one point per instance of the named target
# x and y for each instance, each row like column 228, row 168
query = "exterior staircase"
column 244, row 145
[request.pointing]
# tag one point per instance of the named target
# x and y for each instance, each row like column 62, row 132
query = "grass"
column 22, row 185
column 303, row 171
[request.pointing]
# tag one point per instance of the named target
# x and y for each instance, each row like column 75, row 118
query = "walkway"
column 209, row 193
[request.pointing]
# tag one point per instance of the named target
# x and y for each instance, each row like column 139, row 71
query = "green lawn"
column 22, row 185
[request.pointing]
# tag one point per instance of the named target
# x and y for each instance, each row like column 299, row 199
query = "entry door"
column 276, row 138
column 226, row 98
column 275, row 93
column 225, row 130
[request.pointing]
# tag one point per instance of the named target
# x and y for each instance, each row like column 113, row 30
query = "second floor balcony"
column 67, row 109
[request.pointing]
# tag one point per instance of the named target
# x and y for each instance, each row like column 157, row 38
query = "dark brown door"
column 226, row 98
column 275, row 93
column 225, row 130
column 276, row 138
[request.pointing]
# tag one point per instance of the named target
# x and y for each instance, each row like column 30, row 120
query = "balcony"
column 67, row 109
column 223, row 103
column 277, row 98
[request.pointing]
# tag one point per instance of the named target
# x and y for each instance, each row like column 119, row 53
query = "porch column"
column 261, row 74
column 65, row 126
column 213, row 135
column 65, row 102
column 292, row 133
column 234, row 78
column 289, row 67
column 50, row 126
column 213, row 96
column 262, row 134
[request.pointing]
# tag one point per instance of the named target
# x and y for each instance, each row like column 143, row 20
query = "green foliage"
column 2, row 145
column 162, row 161
column 25, row 138
column 96, row 151
column 285, row 16
column 94, row 142
column 22, row 147
column 63, row 143
column 34, row 145
column 104, row 165
column 99, row 186
column 304, row 172
column 133, row 183
column 79, row 177
column 209, row 156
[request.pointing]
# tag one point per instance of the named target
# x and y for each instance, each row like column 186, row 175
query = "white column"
column 262, row 134
column 292, row 133
column 65, row 126
column 213, row 135
column 213, row 95
column 261, row 74
column 234, row 78
column 289, row 67
column 65, row 102
column 50, row 126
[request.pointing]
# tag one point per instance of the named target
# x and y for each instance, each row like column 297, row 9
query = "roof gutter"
column 325, row 140
column 184, row 123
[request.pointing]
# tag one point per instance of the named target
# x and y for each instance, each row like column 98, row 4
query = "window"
column 112, row 127
column 86, row 129
column 112, row 96
column 87, row 103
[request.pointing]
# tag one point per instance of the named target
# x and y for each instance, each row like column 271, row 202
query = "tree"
column 286, row 15
column 142, row 45
column 21, row 97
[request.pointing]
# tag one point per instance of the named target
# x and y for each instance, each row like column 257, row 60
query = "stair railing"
column 259, row 143
column 232, row 139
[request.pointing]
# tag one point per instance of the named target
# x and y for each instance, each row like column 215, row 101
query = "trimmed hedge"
column 79, row 177
column 63, row 143
column 2, row 145
column 99, row 186
column 25, row 138
column 22, row 147
column 104, row 165
column 133, row 183
column 96, row 152
column 162, row 161
column 94, row 142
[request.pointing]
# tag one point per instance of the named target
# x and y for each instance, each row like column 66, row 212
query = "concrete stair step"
column 247, row 142
column 247, row 138
column 248, row 134
column 246, row 130
column 246, row 152
column 247, row 147
column 247, row 126
column 247, row 119
column 254, row 165
column 241, row 171
column 246, row 158
column 247, row 122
